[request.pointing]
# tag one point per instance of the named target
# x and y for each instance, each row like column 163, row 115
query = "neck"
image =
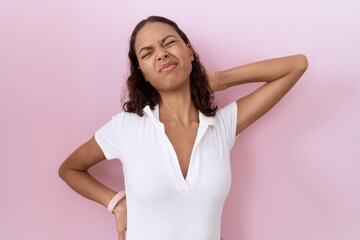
column 177, row 107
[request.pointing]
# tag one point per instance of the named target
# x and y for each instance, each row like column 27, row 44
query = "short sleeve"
column 108, row 135
column 227, row 117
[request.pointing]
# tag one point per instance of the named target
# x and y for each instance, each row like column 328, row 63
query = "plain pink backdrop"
column 295, row 171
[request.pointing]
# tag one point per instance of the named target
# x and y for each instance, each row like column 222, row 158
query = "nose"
column 162, row 55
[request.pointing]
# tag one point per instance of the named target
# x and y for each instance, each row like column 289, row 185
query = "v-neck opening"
column 157, row 115
column 177, row 157
column 184, row 184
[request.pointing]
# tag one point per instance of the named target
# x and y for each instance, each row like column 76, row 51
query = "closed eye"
column 170, row 43
column 165, row 45
column 146, row 55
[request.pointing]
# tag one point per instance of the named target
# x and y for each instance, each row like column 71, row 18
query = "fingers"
column 121, row 236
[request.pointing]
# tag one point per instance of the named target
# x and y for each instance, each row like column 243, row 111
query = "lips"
column 168, row 66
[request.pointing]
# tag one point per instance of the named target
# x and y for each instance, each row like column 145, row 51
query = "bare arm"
column 74, row 172
column 280, row 75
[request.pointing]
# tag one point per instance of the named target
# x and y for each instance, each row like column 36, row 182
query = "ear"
column 191, row 51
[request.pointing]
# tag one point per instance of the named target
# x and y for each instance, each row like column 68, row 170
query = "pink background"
column 295, row 171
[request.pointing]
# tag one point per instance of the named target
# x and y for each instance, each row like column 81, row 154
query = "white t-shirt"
column 161, row 204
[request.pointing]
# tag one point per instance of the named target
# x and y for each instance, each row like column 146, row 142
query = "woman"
column 173, row 144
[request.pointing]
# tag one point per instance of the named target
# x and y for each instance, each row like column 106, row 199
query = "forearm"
column 87, row 186
column 261, row 71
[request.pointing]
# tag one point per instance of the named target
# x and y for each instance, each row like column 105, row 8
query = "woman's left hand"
column 212, row 80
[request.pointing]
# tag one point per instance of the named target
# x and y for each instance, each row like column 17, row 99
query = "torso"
column 182, row 138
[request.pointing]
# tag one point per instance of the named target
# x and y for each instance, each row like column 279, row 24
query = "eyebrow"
column 163, row 40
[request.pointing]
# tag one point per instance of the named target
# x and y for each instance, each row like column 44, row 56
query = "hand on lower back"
column 120, row 212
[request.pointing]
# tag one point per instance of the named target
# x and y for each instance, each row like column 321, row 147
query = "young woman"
column 173, row 144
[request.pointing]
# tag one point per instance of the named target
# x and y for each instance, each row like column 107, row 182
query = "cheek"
column 187, row 58
column 187, row 63
column 148, row 72
column 145, row 68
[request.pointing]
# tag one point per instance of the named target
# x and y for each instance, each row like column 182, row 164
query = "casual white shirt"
column 161, row 204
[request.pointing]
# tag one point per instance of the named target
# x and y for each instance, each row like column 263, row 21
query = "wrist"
column 213, row 81
column 220, row 80
column 115, row 200
column 107, row 197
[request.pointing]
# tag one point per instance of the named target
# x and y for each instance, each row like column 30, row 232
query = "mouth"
column 168, row 66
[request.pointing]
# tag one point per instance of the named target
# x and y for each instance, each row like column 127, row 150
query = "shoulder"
column 229, row 109
column 127, row 118
column 124, row 115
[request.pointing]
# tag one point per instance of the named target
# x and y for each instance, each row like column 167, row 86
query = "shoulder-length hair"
column 142, row 93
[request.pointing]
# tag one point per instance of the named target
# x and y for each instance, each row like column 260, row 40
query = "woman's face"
column 157, row 44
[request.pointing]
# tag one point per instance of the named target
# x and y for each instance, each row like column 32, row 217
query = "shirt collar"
column 154, row 115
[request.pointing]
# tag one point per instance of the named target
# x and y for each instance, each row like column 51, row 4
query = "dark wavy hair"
column 142, row 93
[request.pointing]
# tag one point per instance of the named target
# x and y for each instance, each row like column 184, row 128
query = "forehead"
column 152, row 32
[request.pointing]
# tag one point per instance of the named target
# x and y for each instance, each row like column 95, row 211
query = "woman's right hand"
column 120, row 212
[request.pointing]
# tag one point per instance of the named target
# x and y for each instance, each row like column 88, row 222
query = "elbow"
column 62, row 171
column 302, row 62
